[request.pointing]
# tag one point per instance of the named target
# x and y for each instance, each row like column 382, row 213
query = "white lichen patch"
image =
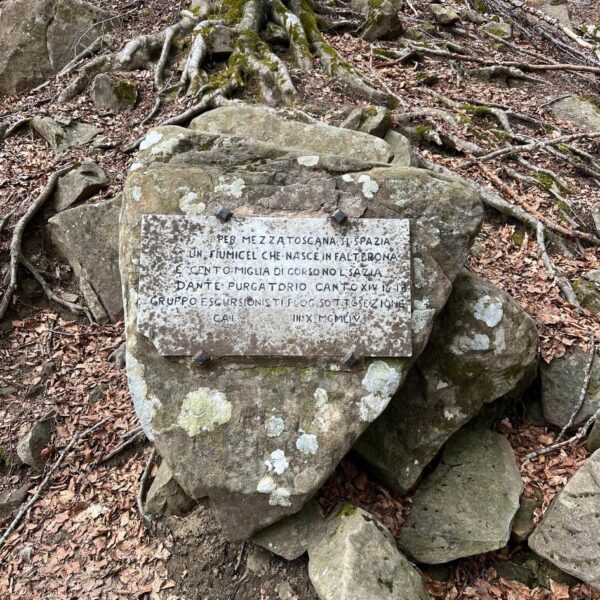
column 145, row 406
column 278, row 463
column 266, row 485
column 166, row 148
column 189, row 204
column 441, row 385
column 280, row 497
column 136, row 193
column 307, row 443
column 347, row 178
column 153, row 137
column 488, row 310
column 233, row 188
column 371, row 406
column 203, row 410
column 499, row 341
column 478, row 342
column 452, row 413
column 381, row 379
column 369, row 186
column 135, row 166
column 308, row 161
column 274, row 426
column 321, row 399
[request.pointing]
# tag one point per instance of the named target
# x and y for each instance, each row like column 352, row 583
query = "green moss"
column 423, row 130
column 348, row 510
column 125, row 91
column 481, row 6
column 518, row 237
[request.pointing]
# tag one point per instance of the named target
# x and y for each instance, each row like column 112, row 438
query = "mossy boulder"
column 483, row 346
column 580, row 111
column 113, row 94
column 236, row 431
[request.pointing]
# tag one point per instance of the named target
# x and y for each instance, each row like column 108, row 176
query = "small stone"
column 514, row 572
column 98, row 393
column 353, row 120
column 25, row 553
column 500, row 29
column 285, row 591
column 221, row 40
column 523, row 524
column 383, row 21
column 30, row 447
column 595, row 212
column 593, row 275
column 467, row 504
column 587, row 293
column 79, row 184
column 11, row 501
column 579, row 111
column 593, row 441
column 374, row 120
column 358, row 559
column 113, row 94
column 48, row 368
column 444, row 15
column 558, row 11
column 544, row 572
column 165, row 496
column 62, row 133
column 257, row 560
column 562, row 381
column 400, row 146
column 569, row 532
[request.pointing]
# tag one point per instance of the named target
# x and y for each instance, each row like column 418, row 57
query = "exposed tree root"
column 141, row 495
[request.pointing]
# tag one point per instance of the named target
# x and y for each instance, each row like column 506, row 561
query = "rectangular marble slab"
column 275, row 286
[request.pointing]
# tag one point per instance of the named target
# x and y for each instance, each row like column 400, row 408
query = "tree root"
column 141, row 495
column 16, row 252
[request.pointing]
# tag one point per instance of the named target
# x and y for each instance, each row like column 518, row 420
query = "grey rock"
column 587, row 293
column 247, row 490
column 88, row 237
column 257, row 560
column 557, row 11
column 30, row 447
column 444, row 15
column 62, row 132
column 79, row 184
column 467, row 504
column 383, row 21
column 113, row 94
column 514, row 572
column 578, row 111
column 291, row 537
column 265, row 125
column 285, row 591
column 374, row 120
column 483, row 347
column 39, row 37
column 500, row 29
column 358, row 560
column 544, row 572
column 569, row 533
column 562, row 381
column 595, row 212
column 221, row 39
column 523, row 524
column 10, row 501
column 593, row 275
column 165, row 496
column 400, row 146
column 593, row 441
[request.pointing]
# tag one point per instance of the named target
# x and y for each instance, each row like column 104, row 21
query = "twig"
column 16, row 255
column 584, row 389
column 131, row 440
column 142, row 491
column 25, row 508
column 239, row 558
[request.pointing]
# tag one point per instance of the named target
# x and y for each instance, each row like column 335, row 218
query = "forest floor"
column 84, row 538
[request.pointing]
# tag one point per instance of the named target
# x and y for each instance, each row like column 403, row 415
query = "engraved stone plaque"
column 275, row 286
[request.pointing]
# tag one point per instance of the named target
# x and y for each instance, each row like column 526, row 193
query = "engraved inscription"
column 275, row 286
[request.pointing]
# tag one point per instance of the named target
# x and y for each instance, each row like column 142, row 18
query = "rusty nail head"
column 350, row 359
column 224, row 214
column 201, row 359
column 339, row 217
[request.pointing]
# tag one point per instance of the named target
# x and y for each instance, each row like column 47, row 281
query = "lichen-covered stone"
column 483, row 347
column 235, row 431
column 500, row 29
column 444, row 15
column 266, row 125
column 467, row 504
column 88, row 237
column 38, row 38
column 358, row 560
column 374, row 120
column 79, row 184
column 62, row 132
column 383, row 21
column 113, row 94
column 562, row 381
column 569, row 534
column 30, row 446
column 400, row 146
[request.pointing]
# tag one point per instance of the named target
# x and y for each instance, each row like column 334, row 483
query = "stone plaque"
column 275, row 286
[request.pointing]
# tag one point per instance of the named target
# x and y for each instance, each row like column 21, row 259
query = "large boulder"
column 483, row 347
column 258, row 123
column 569, row 533
column 467, row 504
column 39, row 37
column 358, row 560
column 580, row 111
column 88, row 237
column 562, row 383
column 239, row 431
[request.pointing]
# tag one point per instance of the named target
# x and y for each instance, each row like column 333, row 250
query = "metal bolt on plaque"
column 224, row 214
column 201, row 359
column 339, row 217
column 350, row 360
